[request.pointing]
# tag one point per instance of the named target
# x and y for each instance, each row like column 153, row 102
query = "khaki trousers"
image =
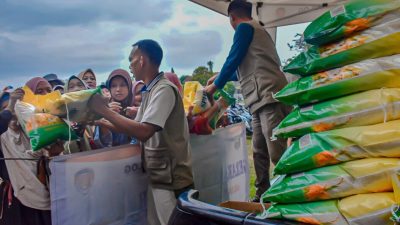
column 160, row 205
column 264, row 149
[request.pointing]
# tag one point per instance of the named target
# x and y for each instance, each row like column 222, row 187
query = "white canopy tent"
column 275, row 13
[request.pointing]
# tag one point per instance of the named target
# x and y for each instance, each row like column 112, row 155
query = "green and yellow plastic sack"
column 72, row 106
column 332, row 147
column 345, row 20
column 41, row 116
column 43, row 129
column 343, row 165
column 376, row 42
column 362, row 209
column 362, row 176
column 365, row 108
column 350, row 79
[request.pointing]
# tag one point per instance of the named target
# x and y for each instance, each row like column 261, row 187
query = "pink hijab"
column 175, row 80
column 134, row 85
column 34, row 82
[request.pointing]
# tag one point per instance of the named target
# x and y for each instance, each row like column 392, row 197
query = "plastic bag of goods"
column 205, row 122
column 40, row 102
column 228, row 101
column 361, row 109
column 347, row 19
column 362, row 209
column 379, row 41
column 194, row 95
column 43, row 129
column 72, row 106
column 357, row 77
column 355, row 177
column 336, row 146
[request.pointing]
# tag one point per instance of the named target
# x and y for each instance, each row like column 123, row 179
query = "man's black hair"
column 152, row 49
column 240, row 8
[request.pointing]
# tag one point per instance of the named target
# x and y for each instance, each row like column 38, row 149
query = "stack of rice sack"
column 343, row 167
column 43, row 117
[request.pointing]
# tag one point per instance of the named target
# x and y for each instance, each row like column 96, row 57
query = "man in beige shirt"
column 162, row 129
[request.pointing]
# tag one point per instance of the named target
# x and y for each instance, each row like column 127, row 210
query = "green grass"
column 251, row 166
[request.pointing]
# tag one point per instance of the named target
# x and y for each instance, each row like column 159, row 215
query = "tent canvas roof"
column 275, row 13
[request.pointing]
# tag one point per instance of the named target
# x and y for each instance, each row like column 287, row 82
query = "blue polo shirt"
column 241, row 42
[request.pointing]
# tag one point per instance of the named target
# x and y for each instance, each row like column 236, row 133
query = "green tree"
column 202, row 74
column 210, row 65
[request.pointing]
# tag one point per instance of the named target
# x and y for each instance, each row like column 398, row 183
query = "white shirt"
column 27, row 187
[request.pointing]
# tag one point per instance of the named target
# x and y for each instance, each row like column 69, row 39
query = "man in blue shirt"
column 254, row 62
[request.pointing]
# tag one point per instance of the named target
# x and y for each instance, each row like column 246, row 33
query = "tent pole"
column 272, row 33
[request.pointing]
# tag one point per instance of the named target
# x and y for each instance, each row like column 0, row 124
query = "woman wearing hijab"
column 120, row 85
column 39, row 86
column 84, row 132
column 74, row 84
column 137, row 93
column 10, row 213
column 27, row 181
column 89, row 78
column 175, row 80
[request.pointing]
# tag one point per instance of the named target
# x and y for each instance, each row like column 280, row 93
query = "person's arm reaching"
column 153, row 120
column 141, row 131
column 241, row 42
column 6, row 115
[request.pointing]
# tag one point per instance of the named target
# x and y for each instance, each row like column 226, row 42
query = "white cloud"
column 69, row 36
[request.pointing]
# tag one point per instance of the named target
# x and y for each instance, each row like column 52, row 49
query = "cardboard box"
column 250, row 207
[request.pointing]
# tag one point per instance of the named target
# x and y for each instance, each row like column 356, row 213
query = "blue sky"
column 65, row 37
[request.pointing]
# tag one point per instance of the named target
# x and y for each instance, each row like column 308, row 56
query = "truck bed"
column 190, row 211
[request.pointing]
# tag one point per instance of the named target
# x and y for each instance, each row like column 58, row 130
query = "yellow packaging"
column 194, row 95
column 40, row 101
column 362, row 209
column 368, row 209
column 371, row 175
column 72, row 106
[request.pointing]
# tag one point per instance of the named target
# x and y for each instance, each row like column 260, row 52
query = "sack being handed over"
column 362, row 209
column 379, row 41
column 72, row 106
column 43, row 129
column 361, row 109
column 357, row 77
column 337, row 181
column 347, row 19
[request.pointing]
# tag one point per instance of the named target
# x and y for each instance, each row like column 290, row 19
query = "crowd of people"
column 148, row 112
column 24, row 173
column 125, row 120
